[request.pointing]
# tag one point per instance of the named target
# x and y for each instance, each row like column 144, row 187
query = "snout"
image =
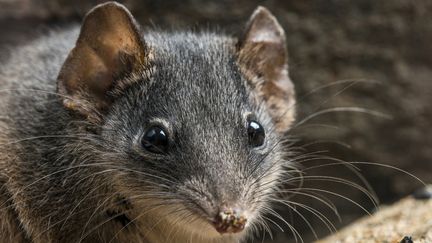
column 230, row 220
column 225, row 210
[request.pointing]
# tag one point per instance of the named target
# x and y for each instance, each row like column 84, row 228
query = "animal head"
column 192, row 124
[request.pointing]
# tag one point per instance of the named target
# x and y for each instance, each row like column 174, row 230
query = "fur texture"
column 67, row 178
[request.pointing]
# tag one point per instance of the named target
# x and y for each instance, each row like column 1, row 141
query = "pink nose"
column 229, row 221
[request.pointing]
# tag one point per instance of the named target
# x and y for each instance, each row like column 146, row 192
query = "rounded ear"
column 109, row 48
column 262, row 58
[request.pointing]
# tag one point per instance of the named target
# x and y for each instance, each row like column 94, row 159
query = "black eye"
column 256, row 134
column 155, row 140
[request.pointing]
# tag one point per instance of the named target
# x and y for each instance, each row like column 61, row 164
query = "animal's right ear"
column 108, row 49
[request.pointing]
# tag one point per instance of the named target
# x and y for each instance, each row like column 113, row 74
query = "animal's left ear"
column 262, row 58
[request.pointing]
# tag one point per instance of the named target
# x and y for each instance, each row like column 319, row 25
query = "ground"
column 409, row 217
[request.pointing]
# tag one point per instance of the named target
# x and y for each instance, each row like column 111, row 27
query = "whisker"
column 373, row 164
column 343, row 109
column 335, row 194
column 326, row 221
column 298, row 213
column 342, row 181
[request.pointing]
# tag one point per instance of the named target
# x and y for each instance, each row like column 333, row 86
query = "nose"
column 230, row 221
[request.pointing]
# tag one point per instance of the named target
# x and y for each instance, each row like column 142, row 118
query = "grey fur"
column 62, row 177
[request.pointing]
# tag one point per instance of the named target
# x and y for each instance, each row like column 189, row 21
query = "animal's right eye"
column 155, row 140
column 256, row 134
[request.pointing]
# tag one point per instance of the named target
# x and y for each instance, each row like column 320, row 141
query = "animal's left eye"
column 256, row 134
column 155, row 140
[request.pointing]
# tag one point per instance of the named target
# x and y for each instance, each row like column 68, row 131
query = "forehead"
column 197, row 72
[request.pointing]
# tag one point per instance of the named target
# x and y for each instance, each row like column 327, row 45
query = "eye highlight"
column 256, row 133
column 155, row 140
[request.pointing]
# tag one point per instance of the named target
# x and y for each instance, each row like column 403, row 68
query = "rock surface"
column 409, row 217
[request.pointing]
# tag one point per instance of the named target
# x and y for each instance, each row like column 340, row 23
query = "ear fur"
column 108, row 48
column 262, row 58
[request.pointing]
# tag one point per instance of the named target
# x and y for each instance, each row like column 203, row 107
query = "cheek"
column 270, row 175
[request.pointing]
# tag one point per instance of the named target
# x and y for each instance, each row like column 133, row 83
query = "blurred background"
column 372, row 59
